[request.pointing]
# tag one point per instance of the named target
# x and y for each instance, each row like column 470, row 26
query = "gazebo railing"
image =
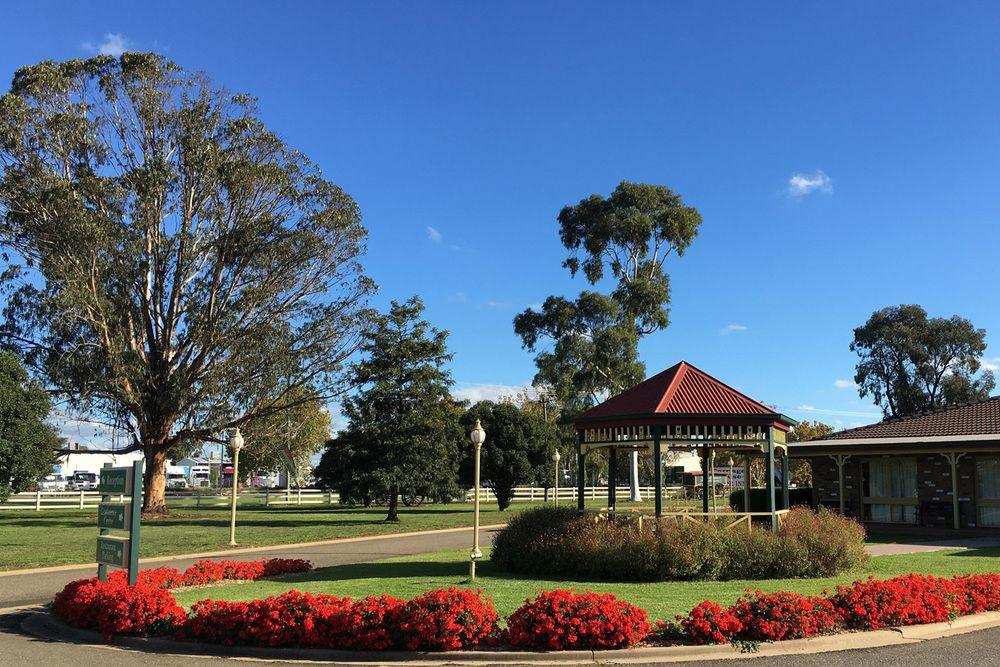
column 734, row 519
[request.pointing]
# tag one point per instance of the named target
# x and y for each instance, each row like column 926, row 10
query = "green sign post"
column 119, row 551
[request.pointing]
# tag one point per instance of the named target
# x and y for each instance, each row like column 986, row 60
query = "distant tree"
column 176, row 269
column 27, row 441
column 403, row 430
column 303, row 429
column 801, row 469
column 588, row 348
column 910, row 363
column 518, row 449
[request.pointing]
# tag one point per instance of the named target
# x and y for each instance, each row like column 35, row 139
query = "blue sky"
column 844, row 156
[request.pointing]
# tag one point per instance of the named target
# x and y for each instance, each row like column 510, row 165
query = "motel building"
column 937, row 469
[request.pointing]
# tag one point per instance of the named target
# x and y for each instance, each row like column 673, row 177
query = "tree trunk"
column 393, row 515
column 503, row 495
column 154, row 482
column 634, row 474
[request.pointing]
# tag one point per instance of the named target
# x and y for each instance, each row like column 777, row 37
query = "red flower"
column 563, row 619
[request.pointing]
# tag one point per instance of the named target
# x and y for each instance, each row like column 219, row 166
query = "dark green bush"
column 561, row 542
column 758, row 499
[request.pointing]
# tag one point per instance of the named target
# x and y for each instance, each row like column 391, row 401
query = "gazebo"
column 687, row 409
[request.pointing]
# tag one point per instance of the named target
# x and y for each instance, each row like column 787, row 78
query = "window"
column 988, row 481
column 891, row 490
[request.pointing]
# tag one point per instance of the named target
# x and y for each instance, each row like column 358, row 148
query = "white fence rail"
column 51, row 500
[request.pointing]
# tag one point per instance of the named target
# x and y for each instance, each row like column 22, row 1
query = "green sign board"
column 116, row 480
column 113, row 551
column 116, row 516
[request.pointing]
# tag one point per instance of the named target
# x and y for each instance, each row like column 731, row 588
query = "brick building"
column 938, row 469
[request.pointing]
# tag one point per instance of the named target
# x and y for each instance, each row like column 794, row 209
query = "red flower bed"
column 777, row 616
column 275, row 567
column 160, row 577
column 905, row 600
column 982, row 592
column 115, row 608
column 563, row 619
column 365, row 625
column 448, row 619
column 709, row 623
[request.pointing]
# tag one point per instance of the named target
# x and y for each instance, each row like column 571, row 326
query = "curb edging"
column 45, row 625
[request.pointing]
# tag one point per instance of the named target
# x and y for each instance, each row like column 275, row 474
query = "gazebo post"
column 746, row 483
column 581, row 465
column 784, row 481
column 770, row 479
column 658, row 471
column 705, row 486
column 612, row 479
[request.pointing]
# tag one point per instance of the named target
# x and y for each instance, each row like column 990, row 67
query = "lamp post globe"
column 478, row 437
column 236, row 442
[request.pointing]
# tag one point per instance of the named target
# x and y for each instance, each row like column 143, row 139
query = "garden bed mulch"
column 46, row 625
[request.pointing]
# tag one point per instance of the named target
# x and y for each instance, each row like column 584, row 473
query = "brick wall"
column 934, row 495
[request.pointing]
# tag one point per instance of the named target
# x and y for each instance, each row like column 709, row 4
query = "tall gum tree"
column 173, row 268
column 588, row 348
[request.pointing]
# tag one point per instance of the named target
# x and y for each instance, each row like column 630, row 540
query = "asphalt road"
column 24, row 589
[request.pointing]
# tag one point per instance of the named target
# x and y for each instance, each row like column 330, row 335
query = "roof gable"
column 681, row 389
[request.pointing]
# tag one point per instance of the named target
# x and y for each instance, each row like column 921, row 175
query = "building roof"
column 682, row 389
column 969, row 419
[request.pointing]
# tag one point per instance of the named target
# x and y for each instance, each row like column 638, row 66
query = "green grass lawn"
column 410, row 576
column 59, row 537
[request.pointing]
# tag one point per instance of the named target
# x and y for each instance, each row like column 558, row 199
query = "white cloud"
column 114, row 44
column 844, row 384
column 434, row 235
column 991, row 364
column 800, row 185
column 731, row 328
column 486, row 392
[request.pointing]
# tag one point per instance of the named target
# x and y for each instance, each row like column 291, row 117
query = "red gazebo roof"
column 681, row 390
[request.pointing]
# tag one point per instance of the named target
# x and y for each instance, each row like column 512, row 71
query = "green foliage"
column 910, row 363
column 303, row 426
column 176, row 267
column 595, row 337
column 403, row 433
column 562, row 542
column 518, row 448
column 27, row 440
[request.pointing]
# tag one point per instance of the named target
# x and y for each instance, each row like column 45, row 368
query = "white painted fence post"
column 38, row 500
column 267, row 497
column 81, row 498
column 298, row 500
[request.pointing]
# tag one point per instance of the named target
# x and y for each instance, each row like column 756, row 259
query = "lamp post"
column 478, row 436
column 236, row 442
column 555, row 460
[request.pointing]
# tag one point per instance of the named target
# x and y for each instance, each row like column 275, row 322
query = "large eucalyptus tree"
column 172, row 266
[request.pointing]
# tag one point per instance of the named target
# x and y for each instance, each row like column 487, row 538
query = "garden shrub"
column 446, row 620
column 370, row 624
column 562, row 619
column 832, row 543
column 561, row 541
column 905, row 600
column 981, row 591
column 777, row 616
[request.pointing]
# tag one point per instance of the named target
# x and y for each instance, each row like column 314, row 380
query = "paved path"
column 893, row 549
column 39, row 587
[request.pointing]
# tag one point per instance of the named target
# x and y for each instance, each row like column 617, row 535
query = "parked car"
column 176, row 480
column 52, row 482
column 82, row 481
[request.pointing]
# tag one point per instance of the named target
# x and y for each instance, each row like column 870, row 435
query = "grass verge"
column 412, row 575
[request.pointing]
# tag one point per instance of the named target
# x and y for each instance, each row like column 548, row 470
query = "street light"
column 478, row 436
column 236, row 442
column 555, row 460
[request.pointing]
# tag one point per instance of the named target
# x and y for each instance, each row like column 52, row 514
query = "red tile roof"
column 982, row 418
column 681, row 389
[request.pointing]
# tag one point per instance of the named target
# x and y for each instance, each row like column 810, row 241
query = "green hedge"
column 563, row 543
column 758, row 499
